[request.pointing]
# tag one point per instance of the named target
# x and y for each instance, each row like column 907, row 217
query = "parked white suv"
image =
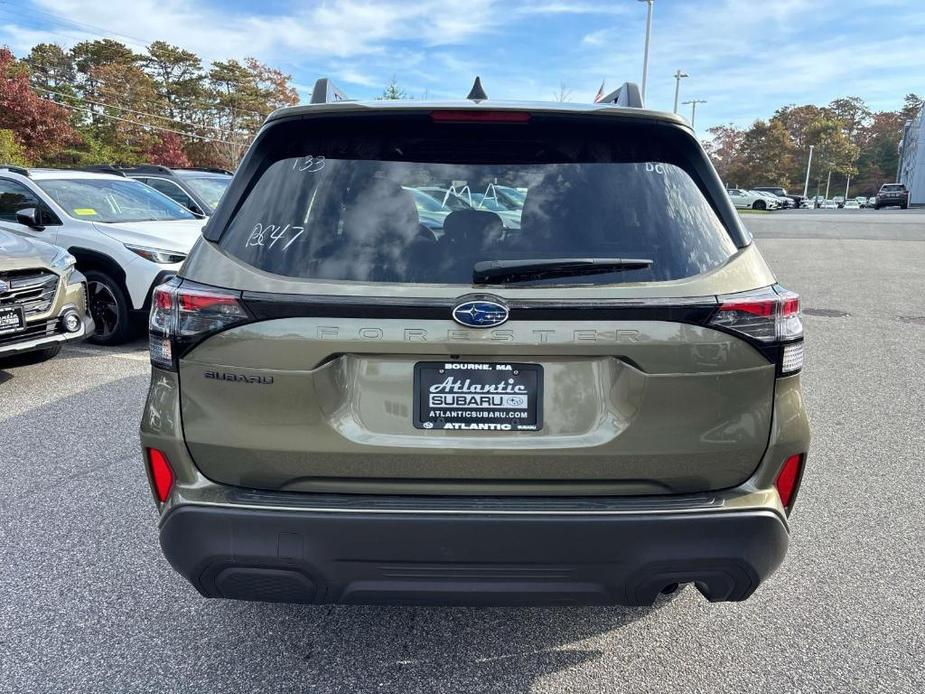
column 126, row 237
column 751, row 199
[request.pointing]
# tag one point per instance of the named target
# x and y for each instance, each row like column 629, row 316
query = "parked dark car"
column 892, row 194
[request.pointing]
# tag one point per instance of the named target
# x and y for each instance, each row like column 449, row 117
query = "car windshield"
column 112, row 200
column 209, row 188
column 893, row 188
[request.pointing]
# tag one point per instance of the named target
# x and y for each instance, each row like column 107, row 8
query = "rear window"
column 893, row 188
column 362, row 211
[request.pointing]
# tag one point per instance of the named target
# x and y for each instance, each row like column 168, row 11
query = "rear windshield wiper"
column 488, row 271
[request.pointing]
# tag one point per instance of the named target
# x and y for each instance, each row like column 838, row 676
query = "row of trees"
column 101, row 102
column 849, row 139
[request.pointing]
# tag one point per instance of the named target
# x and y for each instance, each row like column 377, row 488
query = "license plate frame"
column 8, row 327
column 461, row 407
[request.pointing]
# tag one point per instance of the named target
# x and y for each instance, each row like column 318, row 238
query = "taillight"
column 788, row 480
column 183, row 313
column 161, row 474
column 770, row 318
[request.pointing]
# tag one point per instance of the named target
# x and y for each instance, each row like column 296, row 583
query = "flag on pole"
column 600, row 93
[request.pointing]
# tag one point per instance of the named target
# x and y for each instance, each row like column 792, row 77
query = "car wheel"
column 759, row 205
column 109, row 307
column 36, row 357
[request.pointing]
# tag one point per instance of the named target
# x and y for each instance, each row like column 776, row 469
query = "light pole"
column 900, row 150
column 846, row 187
column 645, row 57
column 827, row 182
column 693, row 103
column 808, row 166
column 677, row 86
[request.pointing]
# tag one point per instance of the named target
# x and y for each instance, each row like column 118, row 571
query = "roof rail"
column 22, row 171
column 209, row 169
column 325, row 92
column 143, row 168
column 627, row 95
column 114, row 169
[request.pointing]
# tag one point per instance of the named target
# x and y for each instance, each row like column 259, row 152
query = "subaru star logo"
column 480, row 313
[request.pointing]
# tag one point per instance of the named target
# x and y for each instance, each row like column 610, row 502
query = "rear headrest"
column 477, row 228
column 565, row 207
column 380, row 208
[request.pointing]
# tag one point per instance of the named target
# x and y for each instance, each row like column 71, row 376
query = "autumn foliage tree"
column 848, row 139
column 102, row 102
column 37, row 127
column 167, row 150
column 128, row 114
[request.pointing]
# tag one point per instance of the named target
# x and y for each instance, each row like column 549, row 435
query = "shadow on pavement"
column 86, row 349
column 423, row 649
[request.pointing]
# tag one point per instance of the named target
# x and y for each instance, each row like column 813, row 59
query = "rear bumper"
column 447, row 558
column 892, row 202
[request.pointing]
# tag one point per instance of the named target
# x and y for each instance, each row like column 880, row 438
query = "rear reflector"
column 792, row 359
column 161, row 351
column 161, row 474
column 788, row 479
column 480, row 116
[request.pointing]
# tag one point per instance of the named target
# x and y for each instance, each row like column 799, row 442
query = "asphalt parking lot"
column 88, row 603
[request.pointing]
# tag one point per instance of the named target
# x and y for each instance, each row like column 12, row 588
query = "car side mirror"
column 30, row 217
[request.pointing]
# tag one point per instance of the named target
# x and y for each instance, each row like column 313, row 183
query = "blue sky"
column 744, row 57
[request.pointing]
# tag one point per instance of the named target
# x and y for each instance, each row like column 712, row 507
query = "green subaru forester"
column 474, row 353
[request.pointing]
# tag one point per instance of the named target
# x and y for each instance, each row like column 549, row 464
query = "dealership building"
column 912, row 158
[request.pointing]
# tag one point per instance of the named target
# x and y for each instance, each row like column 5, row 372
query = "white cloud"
column 602, row 8
column 745, row 58
column 748, row 60
column 340, row 29
column 597, row 38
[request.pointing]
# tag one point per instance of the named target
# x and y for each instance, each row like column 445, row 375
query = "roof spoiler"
column 325, row 92
column 627, row 95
